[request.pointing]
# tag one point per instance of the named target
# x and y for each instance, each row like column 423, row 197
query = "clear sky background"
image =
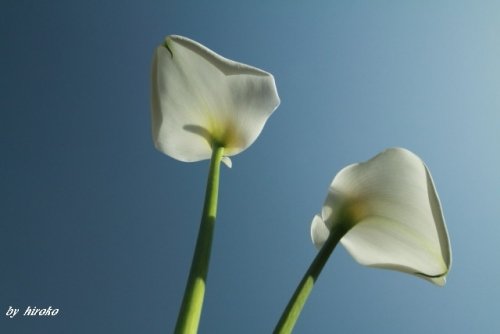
column 96, row 222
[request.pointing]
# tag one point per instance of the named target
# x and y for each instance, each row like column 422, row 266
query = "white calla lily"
column 205, row 106
column 393, row 215
column 201, row 100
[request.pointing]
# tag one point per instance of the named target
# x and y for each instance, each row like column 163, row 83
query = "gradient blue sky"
column 95, row 222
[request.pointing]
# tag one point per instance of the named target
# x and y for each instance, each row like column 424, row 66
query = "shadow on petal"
column 201, row 131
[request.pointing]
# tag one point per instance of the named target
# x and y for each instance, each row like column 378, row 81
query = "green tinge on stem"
column 299, row 298
column 190, row 312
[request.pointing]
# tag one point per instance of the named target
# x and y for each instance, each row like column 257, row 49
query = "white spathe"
column 393, row 213
column 201, row 99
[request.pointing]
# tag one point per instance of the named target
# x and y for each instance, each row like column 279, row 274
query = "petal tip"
column 227, row 161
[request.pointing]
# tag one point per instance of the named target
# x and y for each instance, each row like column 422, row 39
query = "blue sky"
column 96, row 222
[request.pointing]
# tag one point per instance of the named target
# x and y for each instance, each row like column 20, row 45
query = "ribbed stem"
column 299, row 298
column 192, row 303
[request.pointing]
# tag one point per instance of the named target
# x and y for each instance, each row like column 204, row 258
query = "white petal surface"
column 397, row 221
column 200, row 99
column 319, row 232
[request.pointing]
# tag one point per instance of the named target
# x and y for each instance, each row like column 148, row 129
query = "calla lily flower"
column 205, row 106
column 392, row 212
column 201, row 100
column 387, row 214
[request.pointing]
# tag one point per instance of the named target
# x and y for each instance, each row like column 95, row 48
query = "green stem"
column 296, row 303
column 189, row 314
